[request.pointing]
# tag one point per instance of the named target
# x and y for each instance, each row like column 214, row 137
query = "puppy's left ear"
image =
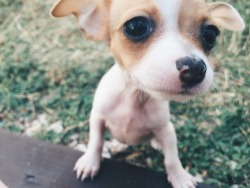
column 226, row 16
column 92, row 16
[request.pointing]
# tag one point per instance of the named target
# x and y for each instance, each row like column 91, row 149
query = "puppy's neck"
column 130, row 89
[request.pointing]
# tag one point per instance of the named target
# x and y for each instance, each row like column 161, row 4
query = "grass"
column 46, row 68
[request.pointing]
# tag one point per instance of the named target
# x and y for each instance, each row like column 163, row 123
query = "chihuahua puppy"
column 160, row 48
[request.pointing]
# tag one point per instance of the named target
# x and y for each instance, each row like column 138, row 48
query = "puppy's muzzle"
column 192, row 71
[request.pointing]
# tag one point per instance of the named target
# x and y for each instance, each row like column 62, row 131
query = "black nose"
column 192, row 70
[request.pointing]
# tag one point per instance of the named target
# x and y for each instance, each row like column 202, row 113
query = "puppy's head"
column 161, row 44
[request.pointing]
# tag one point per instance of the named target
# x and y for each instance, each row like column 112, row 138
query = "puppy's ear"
column 92, row 16
column 226, row 16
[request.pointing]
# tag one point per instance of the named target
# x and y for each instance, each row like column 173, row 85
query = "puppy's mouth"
column 171, row 87
column 177, row 93
column 186, row 93
column 183, row 92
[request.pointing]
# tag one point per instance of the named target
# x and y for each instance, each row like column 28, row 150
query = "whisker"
column 218, row 91
column 231, row 78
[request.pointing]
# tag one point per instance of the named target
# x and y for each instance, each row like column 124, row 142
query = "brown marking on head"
column 126, row 52
column 193, row 14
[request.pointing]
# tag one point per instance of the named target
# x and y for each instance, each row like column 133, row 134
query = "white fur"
column 131, row 116
column 157, row 73
column 169, row 10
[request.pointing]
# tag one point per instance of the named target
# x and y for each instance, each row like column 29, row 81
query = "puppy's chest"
column 132, row 124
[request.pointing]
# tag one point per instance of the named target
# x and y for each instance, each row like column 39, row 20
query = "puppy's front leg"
column 177, row 175
column 89, row 163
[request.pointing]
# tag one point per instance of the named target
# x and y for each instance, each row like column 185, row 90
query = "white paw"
column 180, row 178
column 87, row 165
column 115, row 146
column 156, row 145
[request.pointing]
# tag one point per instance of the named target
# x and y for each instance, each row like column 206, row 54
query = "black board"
column 28, row 163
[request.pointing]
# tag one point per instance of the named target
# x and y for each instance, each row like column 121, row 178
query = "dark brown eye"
column 139, row 28
column 209, row 34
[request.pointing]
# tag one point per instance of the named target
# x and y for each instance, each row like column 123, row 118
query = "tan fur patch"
column 193, row 13
column 126, row 52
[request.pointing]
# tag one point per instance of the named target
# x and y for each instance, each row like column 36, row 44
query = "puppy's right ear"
column 92, row 16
